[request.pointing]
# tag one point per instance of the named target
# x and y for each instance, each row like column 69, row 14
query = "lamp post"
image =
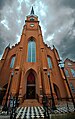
column 53, row 102
column 61, row 65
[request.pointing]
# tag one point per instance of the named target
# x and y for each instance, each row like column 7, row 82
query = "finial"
column 32, row 11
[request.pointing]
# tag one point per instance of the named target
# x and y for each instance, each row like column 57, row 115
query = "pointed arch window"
column 72, row 87
column 49, row 62
column 66, row 72
column 12, row 62
column 73, row 72
column 31, row 51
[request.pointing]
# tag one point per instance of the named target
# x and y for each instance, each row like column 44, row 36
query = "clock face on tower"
column 32, row 25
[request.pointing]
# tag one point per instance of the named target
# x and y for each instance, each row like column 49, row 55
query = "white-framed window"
column 31, row 51
column 73, row 72
column 66, row 72
column 49, row 62
column 12, row 62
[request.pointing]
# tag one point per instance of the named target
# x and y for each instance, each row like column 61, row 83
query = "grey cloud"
column 67, row 44
column 2, row 45
column 68, row 3
column 8, row 36
column 14, row 17
column 60, row 19
column 3, row 2
column 67, row 50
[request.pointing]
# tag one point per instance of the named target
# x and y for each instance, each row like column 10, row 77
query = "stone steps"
column 30, row 103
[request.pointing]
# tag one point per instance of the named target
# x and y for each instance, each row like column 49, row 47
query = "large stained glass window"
column 31, row 51
column 12, row 62
column 49, row 62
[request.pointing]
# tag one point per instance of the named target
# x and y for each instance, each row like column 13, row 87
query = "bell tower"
column 31, row 43
column 32, row 21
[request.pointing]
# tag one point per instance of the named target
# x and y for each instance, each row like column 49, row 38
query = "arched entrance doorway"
column 31, row 88
column 56, row 89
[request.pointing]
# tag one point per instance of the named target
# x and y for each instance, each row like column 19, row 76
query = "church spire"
column 32, row 11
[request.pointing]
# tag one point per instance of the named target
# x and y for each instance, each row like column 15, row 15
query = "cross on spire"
column 32, row 11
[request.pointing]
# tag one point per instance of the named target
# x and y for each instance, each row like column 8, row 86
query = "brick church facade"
column 25, row 68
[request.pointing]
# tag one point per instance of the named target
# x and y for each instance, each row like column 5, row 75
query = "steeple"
column 32, row 11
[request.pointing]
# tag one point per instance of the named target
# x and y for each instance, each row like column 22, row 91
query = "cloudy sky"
column 57, row 20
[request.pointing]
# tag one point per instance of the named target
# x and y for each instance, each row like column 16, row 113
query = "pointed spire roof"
column 32, row 11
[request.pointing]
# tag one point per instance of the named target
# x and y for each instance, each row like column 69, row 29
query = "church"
column 30, row 69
